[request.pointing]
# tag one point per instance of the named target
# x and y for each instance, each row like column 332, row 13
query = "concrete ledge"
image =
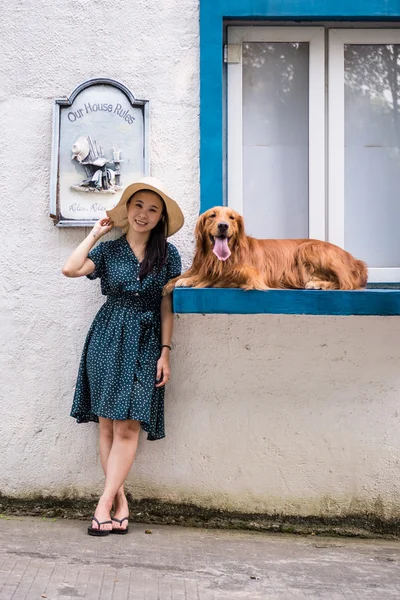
column 190, row 515
column 372, row 301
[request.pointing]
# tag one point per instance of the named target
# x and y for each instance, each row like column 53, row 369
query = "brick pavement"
column 55, row 559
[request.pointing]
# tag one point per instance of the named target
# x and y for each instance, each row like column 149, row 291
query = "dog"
column 226, row 257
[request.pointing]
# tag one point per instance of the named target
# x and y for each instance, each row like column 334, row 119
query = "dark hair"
column 155, row 253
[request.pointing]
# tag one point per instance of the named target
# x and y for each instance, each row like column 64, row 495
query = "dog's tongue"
column 221, row 249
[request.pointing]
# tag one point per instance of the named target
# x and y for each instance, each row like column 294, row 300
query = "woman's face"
column 144, row 211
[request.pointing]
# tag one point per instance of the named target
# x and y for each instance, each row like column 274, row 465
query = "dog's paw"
column 168, row 289
column 262, row 288
column 312, row 285
column 318, row 285
column 251, row 286
column 183, row 282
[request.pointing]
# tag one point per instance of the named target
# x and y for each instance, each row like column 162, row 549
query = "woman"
column 125, row 360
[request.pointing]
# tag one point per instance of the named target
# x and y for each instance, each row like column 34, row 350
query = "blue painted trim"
column 290, row 302
column 212, row 15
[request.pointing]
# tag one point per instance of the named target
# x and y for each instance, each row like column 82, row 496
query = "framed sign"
column 100, row 145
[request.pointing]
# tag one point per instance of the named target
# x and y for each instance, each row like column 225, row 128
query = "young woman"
column 125, row 360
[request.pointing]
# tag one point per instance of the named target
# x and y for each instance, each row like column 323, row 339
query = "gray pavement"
column 45, row 558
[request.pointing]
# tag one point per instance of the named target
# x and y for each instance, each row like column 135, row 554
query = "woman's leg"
column 106, row 440
column 120, row 459
column 121, row 508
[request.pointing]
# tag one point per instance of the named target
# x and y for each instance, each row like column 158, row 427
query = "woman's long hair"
column 155, row 253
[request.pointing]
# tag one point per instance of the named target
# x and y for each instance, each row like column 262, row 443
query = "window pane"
column 372, row 153
column 275, row 139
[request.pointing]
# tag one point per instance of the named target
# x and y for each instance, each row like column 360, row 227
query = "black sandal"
column 99, row 532
column 120, row 531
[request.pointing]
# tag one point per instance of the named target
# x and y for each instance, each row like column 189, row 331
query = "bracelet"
column 166, row 346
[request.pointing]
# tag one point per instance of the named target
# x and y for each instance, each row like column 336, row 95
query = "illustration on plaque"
column 103, row 175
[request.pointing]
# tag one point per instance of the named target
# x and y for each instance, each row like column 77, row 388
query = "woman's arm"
column 78, row 264
column 167, row 323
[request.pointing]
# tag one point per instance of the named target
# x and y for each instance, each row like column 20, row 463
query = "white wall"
column 291, row 414
column 48, row 48
column 275, row 413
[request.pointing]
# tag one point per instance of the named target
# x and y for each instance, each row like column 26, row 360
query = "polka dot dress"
column 117, row 373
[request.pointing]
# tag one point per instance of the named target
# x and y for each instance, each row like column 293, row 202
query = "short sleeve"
column 97, row 256
column 174, row 263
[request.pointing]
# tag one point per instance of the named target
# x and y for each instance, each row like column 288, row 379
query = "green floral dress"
column 117, row 373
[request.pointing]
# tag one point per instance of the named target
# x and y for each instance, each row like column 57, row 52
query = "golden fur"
column 262, row 264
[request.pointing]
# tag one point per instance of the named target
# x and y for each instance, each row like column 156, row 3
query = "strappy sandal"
column 99, row 532
column 120, row 531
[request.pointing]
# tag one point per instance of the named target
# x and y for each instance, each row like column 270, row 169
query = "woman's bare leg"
column 121, row 455
column 106, row 440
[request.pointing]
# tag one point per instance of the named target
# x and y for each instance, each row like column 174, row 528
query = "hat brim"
column 119, row 214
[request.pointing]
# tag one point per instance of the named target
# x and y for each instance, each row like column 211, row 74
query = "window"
column 314, row 137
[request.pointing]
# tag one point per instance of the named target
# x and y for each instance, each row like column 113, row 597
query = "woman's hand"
column 163, row 370
column 102, row 227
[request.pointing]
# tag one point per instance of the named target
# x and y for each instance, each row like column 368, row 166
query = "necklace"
column 138, row 251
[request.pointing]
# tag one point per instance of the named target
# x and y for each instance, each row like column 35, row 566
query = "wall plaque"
column 100, row 145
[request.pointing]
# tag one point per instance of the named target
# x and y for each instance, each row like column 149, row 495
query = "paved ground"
column 44, row 558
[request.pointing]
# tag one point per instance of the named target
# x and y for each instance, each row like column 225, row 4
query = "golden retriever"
column 226, row 257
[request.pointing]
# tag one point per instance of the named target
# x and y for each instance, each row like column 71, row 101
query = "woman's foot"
column 102, row 513
column 121, row 511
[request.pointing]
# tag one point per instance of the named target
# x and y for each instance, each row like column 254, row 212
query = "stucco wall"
column 47, row 50
column 293, row 414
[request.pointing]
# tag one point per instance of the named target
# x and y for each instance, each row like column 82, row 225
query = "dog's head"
column 219, row 230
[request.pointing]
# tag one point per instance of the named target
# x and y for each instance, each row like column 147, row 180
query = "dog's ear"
column 240, row 230
column 199, row 231
column 240, row 222
column 201, row 234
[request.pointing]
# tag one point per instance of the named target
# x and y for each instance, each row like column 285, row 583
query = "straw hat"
column 119, row 214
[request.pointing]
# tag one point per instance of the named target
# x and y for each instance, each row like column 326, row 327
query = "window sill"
column 372, row 301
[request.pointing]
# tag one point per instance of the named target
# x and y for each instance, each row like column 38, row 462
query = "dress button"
column 137, row 294
column 137, row 278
